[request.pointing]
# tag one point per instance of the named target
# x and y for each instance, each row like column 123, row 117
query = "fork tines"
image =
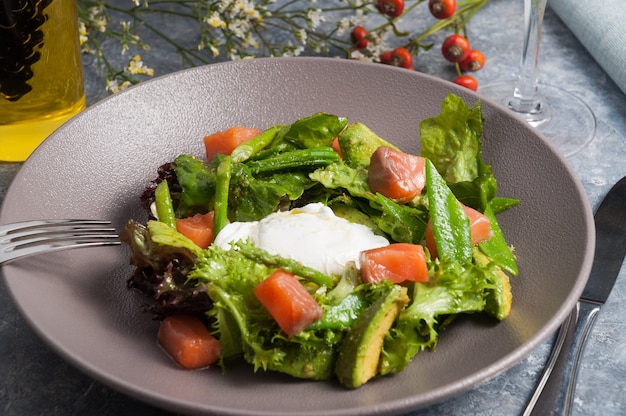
column 38, row 236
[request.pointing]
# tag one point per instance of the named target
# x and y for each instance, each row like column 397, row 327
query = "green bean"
column 222, row 185
column 247, row 149
column 273, row 150
column 451, row 227
column 294, row 159
column 164, row 205
column 261, row 256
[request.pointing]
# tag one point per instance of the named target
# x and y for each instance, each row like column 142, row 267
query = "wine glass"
column 564, row 119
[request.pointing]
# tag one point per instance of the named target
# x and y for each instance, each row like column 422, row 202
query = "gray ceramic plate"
column 97, row 165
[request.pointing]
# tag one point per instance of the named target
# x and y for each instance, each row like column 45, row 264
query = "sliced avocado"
column 306, row 363
column 357, row 143
column 498, row 300
column 359, row 353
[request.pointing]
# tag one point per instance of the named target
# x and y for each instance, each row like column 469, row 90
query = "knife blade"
column 555, row 391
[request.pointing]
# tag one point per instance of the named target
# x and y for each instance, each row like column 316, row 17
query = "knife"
column 550, row 397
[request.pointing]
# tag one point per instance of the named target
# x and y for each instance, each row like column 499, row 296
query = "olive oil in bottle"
column 41, row 79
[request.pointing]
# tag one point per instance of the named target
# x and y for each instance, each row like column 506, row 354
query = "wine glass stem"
column 525, row 97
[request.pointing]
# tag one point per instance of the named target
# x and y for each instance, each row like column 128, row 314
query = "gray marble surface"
column 35, row 381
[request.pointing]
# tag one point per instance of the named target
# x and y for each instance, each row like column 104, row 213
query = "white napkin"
column 601, row 27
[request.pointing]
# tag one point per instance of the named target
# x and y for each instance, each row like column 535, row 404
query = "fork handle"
column 555, row 392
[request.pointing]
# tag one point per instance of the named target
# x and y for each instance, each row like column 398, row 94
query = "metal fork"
column 28, row 238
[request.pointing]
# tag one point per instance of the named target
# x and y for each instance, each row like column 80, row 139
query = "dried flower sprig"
column 241, row 29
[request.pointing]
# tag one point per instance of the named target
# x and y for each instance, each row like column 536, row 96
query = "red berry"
column 473, row 62
column 401, row 57
column 385, row 58
column 358, row 37
column 391, row 8
column 442, row 9
column 466, row 81
column 455, row 48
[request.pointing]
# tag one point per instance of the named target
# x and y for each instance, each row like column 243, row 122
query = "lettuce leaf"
column 163, row 258
column 318, row 130
column 452, row 289
column 197, row 182
column 341, row 176
column 451, row 140
column 401, row 222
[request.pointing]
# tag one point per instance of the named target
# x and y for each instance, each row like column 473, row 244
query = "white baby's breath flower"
column 360, row 56
column 298, row 50
column 215, row 20
column 358, row 18
column 250, row 41
column 113, row 86
column 378, row 44
column 95, row 12
column 347, row 23
column 137, row 67
column 343, row 25
column 224, row 5
column 98, row 19
column 291, row 50
column 314, row 18
column 300, row 35
column 233, row 55
column 82, row 33
column 253, row 14
column 248, row 10
column 357, row 54
column 100, row 23
column 239, row 27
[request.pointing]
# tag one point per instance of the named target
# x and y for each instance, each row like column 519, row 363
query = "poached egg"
column 312, row 235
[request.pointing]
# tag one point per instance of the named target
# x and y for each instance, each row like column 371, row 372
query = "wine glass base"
column 564, row 119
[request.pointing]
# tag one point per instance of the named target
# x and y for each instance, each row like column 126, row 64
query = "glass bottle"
column 41, row 79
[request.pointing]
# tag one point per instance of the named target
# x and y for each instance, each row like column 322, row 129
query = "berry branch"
column 240, row 29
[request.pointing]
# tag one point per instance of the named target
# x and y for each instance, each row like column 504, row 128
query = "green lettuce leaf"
column 197, row 181
column 318, row 130
column 402, row 223
column 452, row 289
column 451, row 140
column 339, row 175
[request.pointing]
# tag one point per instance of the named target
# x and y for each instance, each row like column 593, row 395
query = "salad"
column 321, row 250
